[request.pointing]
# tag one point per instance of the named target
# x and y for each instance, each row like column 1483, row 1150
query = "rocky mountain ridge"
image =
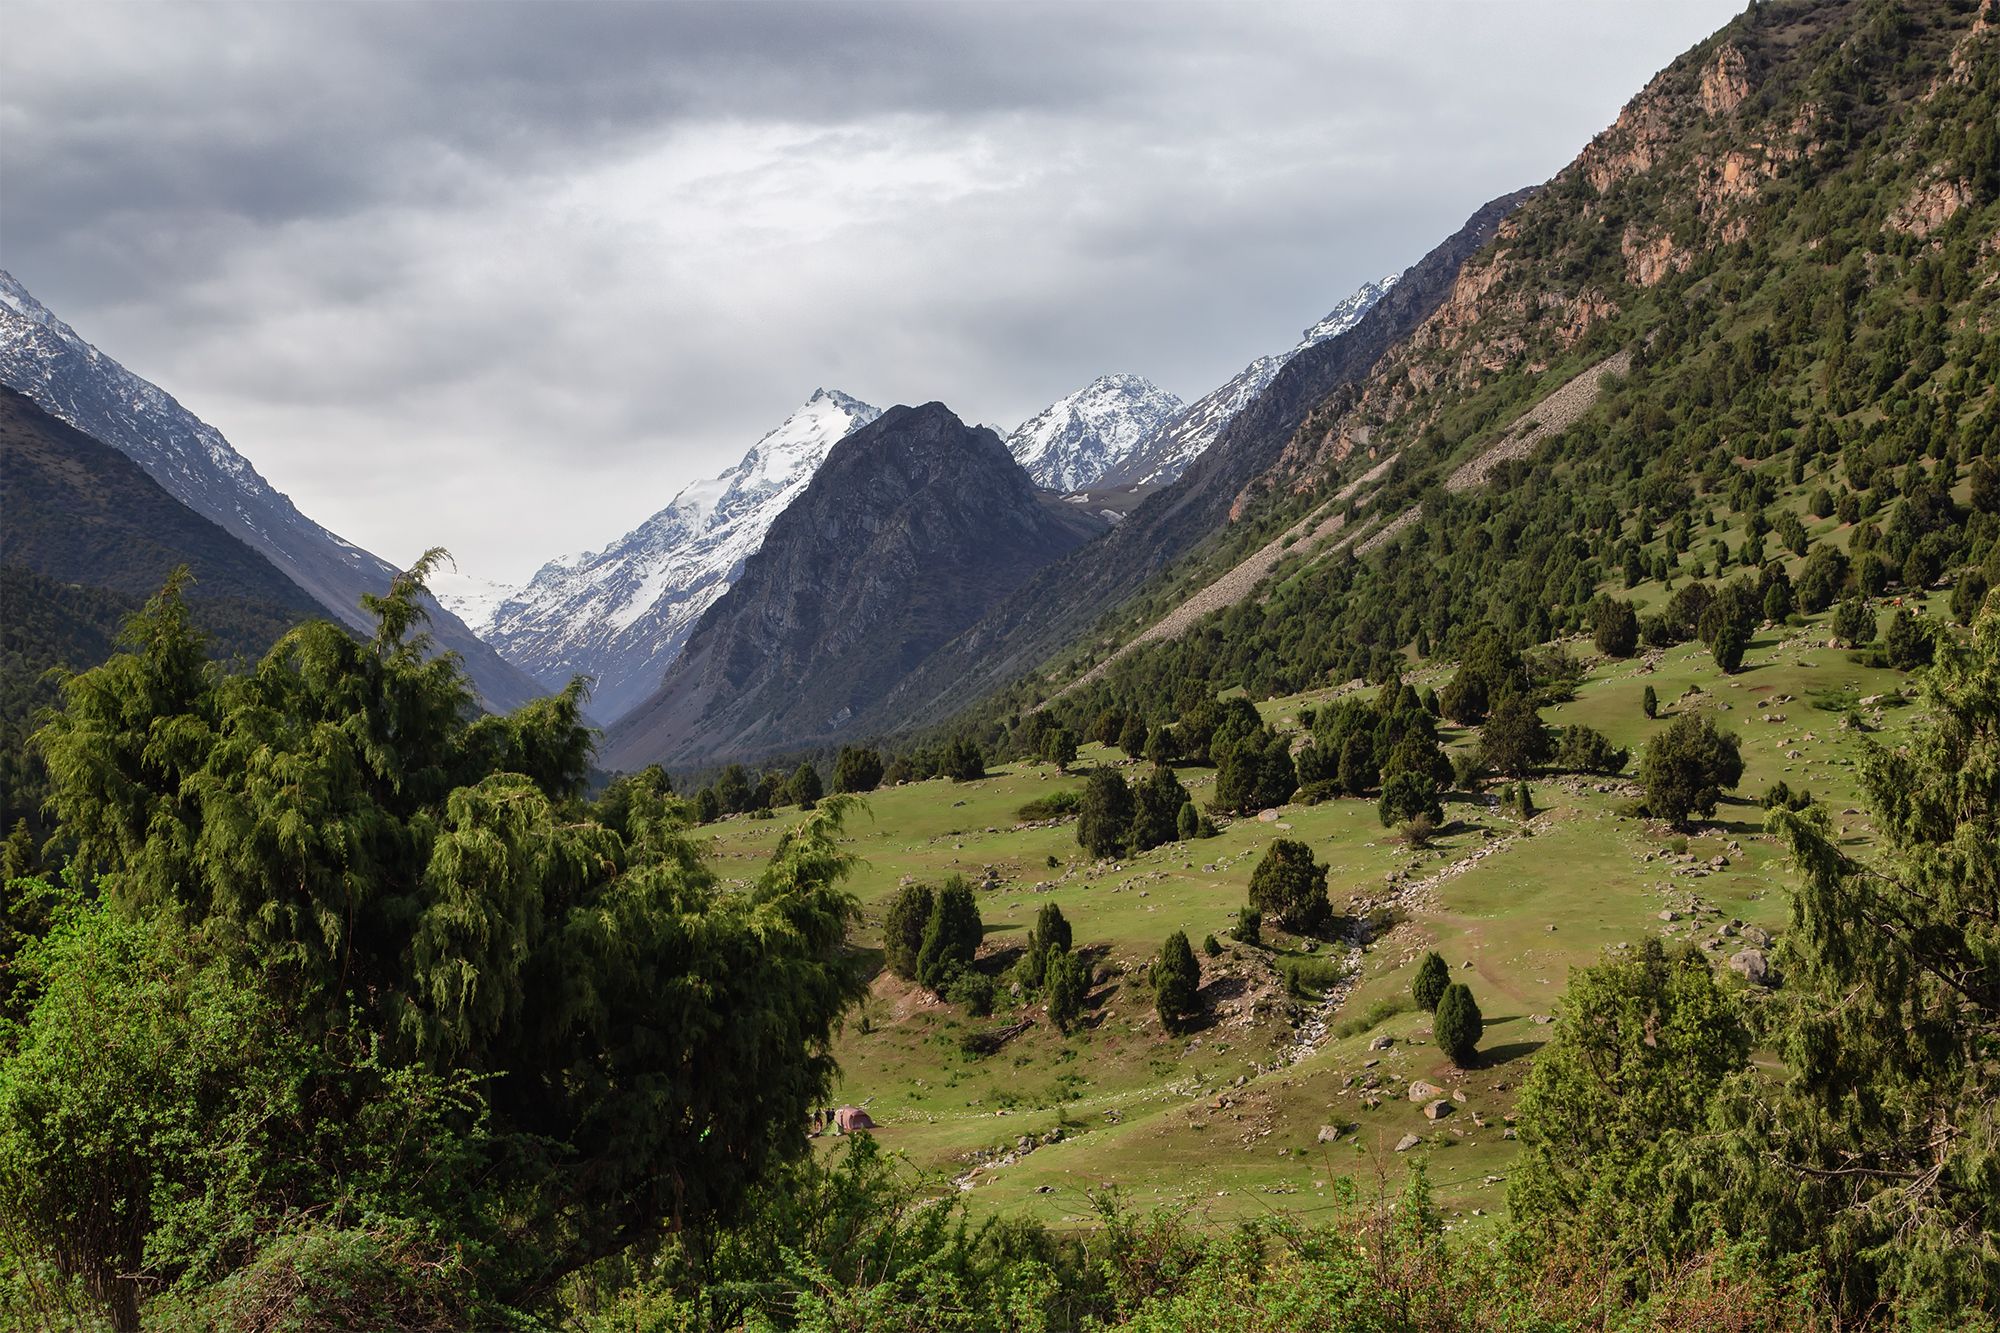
column 1164, row 455
column 912, row 527
column 1061, row 603
column 46, row 360
column 621, row 615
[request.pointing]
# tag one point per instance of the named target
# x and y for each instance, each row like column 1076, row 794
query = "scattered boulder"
column 1382, row 1042
column 1328, row 1133
column 1752, row 966
column 1437, row 1110
column 1407, row 1142
column 1421, row 1091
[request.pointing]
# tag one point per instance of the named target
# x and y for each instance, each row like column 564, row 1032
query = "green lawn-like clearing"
column 1164, row 1118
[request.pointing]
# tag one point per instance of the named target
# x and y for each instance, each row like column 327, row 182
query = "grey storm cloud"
column 505, row 276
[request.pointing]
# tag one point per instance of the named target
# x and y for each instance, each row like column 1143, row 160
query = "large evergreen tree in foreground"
column 1869, row 1170
column 1881, row 1150
column 358, row 973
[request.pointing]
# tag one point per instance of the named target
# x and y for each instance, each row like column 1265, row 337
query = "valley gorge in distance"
column 1039, row 798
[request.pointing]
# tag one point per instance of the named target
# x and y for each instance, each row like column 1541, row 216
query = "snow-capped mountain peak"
column 621, row 615
column 1075, row 440
column 1165, row 453
column 1347, row 314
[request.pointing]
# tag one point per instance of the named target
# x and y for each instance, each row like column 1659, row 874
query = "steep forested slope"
column 1792, row 234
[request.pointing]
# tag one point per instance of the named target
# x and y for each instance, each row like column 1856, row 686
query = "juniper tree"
column 1639, row 1050
column 1427, row 987
column 857, row 769
column 1515, row 740
column 1104, row 821
column 1050, row 936
column 1686, row 766
column 1068, row 984
column 1176, row 981
column 420, row 897
column 951, row 936
column 804, row 788
column 1156, row 807
column 1406, row 796
column 1290, row 887
column 903, row 928
column 1879, row 1144
column 1458, row 1025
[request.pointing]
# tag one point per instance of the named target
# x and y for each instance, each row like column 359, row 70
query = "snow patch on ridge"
column 1177, row 442
column 621, row 615
column 1073, row 441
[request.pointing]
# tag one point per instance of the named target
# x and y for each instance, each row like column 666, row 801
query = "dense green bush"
column 1428, row 986
column 1459, row 1025
column 1686, row 767
column 1176, row 981
column 951, row 936
column 1289, row 886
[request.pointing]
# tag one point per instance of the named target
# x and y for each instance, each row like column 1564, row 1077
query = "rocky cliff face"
column 913, row 527
column 621, row 615
column 1699, row 160
column 1063, row 601
column 44, row 359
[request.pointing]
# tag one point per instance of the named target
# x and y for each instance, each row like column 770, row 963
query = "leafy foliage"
column 1625, row 1082
column 398, row 875
column 1289, row 886
column 1879, row 1147
column 1686, row 766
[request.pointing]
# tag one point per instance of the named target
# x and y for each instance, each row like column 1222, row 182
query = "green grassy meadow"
column 1230, row 1117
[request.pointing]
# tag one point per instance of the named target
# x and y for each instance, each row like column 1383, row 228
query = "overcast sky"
column 505, row 276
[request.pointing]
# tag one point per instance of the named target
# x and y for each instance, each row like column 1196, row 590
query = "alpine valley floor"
column 1230, row 1116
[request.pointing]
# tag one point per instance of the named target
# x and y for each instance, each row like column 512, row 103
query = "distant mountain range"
column 44, row 359
column 1165, row 453
column 1064, row 600
column 620, row 615
column 912, row 527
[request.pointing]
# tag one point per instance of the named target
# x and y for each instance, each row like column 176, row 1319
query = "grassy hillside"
column 1230, row 1115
